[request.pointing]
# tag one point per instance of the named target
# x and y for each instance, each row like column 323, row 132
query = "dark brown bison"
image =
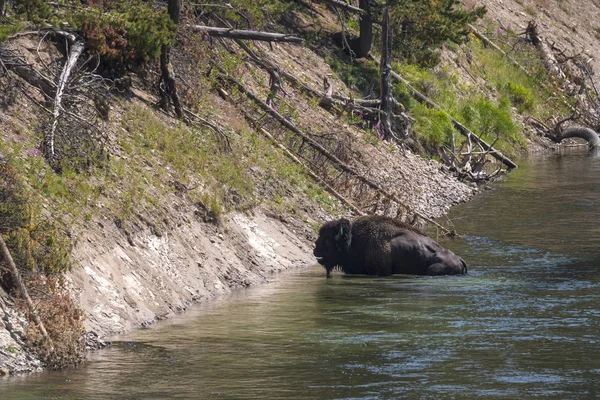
column 376, row 245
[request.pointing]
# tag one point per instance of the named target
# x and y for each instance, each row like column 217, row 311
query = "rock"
column 93, row 341
column 4, row 372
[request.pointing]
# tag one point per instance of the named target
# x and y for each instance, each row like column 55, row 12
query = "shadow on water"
column 523, row 323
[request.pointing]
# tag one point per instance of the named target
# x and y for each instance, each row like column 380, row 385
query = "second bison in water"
column 376, row 245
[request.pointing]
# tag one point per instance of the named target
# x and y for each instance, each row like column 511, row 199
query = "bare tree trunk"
column 21, row 286
column 168, row 87
column 2, row 8
column 76, row 50
column 385, row 69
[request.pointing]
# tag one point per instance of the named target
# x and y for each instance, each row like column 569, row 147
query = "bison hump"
column 377, row 227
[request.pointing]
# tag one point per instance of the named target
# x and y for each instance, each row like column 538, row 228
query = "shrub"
column 421, row 27
column 433, row 127
column 126, row 34
column 490, row 120
column 63, row 323
column 520, row 96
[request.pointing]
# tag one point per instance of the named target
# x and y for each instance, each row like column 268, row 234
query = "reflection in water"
column 523, row 323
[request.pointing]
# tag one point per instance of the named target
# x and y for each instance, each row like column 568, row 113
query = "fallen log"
column 25, row 71
column 246, row 35
column 336, row 162
column 309, row 171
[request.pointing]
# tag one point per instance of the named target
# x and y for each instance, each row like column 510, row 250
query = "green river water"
column 524, row 323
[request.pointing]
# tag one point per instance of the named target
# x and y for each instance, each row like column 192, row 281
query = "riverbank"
column 166, row 212
column 125, row 280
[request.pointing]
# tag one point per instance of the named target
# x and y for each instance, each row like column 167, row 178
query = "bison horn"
column 340, row 233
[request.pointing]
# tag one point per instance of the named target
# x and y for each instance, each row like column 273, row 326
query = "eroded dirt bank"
column 127, row 281
column 129, row 278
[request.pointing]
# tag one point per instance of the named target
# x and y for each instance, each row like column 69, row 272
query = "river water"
column 524, row 323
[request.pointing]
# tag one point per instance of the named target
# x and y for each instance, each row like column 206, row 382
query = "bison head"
column 333, row 243
column 443, row 261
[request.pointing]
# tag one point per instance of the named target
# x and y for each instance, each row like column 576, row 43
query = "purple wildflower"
column 34, row 152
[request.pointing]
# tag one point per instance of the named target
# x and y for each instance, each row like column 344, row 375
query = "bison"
column 376, row 245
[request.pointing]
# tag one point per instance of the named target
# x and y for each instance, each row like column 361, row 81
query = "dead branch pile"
column 72, row 97
column 326, row 155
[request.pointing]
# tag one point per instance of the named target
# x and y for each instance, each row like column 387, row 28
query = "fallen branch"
column 327, row 101
column 219, row 132
column 25, row 71
column 291, row 155
column 343, row 5
column 460, row 127
column 336, row 162
column 493, row 45
column 246, row 35
column 22, row 289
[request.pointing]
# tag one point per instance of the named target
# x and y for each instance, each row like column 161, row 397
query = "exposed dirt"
column 572, row 25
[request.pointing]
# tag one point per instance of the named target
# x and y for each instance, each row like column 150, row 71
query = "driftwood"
column 22, row 289
column 590, row 135
column 336, row 162
column 76, row 50
column 246, row 35
column 460, row 127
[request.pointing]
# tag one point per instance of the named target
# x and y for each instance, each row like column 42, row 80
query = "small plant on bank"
column 520, row 96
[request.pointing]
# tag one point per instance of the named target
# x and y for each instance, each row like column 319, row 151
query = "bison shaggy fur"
column 377, row 245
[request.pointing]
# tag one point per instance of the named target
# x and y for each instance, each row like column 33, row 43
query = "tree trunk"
column 385, row 69
column 21, row 286
column 363, row 46
column 76, row 50
column 168, row 87
column 2, row 8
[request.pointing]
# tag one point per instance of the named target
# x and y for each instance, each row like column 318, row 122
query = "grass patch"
column 359, row 75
